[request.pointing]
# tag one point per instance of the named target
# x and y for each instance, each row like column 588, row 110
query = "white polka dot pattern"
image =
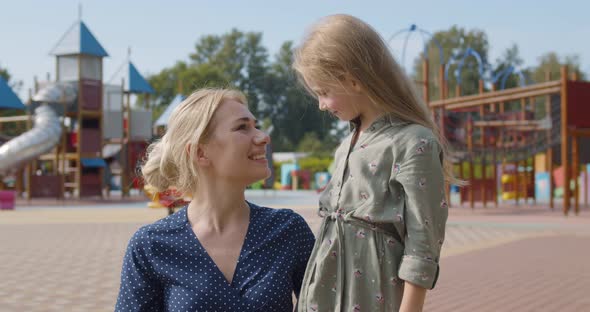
column 166, row 268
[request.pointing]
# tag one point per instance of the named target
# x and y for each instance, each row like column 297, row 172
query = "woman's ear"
column 201, row 156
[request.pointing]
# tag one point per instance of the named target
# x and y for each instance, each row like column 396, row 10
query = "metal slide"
column 46, row 131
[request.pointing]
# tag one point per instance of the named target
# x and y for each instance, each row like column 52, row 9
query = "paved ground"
column 526, row 258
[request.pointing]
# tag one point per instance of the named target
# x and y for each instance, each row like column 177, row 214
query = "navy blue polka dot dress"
column 167, row 269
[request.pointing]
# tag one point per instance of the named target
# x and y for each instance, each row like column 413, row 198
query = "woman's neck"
column 217, row 208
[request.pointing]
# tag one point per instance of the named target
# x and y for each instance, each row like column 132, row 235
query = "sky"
column 160, row 33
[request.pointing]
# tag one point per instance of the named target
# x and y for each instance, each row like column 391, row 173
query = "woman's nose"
column 261, row 138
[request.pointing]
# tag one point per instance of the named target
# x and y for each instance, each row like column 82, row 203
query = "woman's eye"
column 241, row 127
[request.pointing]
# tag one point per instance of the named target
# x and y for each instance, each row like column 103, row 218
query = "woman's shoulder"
column 278, row 218
column 169, row 224
column 280, row 225
column 275, row 214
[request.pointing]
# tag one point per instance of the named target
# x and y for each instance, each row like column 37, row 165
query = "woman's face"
column 236, row 148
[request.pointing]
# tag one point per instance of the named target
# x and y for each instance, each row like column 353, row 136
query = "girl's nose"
column 322, row 105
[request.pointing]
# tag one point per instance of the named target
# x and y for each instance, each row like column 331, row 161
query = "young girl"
column 220, row 253
column 384, row 209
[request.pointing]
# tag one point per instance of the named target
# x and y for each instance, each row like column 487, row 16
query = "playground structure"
column 498, row 135
column 78, row 122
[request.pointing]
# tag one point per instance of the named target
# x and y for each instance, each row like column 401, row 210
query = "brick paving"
column 535, row 274
column 511, row 258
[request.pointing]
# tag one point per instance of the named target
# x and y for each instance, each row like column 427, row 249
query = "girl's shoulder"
column 411, row 138
column 410, row 134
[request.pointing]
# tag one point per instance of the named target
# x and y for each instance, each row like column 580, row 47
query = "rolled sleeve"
column 425, row 213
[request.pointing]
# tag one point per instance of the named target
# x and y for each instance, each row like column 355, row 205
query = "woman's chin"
column 259, row 176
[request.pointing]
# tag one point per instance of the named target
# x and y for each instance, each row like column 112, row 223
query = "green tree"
column 238, row 59
column 551, row 63
column 4, row 74
column 511, row 57
column 15, row 85
column 241, row 59
column 454, row 42
column 182, row 78
column 291, row 110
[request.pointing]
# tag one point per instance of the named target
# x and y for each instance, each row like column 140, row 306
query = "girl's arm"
column 421, row 179
column 413, row 299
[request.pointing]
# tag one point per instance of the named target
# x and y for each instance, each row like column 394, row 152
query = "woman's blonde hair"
column 340, row 45
column 168, row 162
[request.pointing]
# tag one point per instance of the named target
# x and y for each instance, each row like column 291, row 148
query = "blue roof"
column 137, row 84
column 93, row 162
column 8, row 98
column 163, row 120
column 79, row 40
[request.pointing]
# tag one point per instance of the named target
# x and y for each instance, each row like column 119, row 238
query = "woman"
column 220, row 253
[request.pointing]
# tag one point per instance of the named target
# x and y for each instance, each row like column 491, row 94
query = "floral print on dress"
column 356, row 308
column 361, row 233
column 444, row 204
column 373, row 167
column 333, row 254
column 424, row 276
column 313, row 307
column 364, row 195
column 379, row 297
column 396, row 168
column 422, row 183
column 389, row 170
column 394, row 281
column 358, row 273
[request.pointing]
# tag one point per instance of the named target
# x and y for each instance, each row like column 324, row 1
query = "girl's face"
column 236, row 149
column 343, row 100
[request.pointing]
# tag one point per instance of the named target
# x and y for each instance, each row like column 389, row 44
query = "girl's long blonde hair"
column 340, row 45
column 170, row 161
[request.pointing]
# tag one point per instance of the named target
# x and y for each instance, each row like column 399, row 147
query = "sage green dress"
column 384, row 221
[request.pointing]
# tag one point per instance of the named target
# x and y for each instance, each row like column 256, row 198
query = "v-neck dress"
column 167, row 269
column 384, row 221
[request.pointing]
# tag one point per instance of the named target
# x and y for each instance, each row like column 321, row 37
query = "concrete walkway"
column 526, row 258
